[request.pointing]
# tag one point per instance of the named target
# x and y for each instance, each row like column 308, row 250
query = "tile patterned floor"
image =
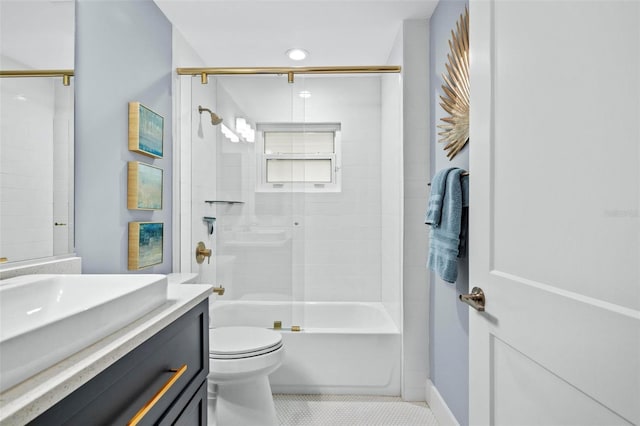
column 351, row 410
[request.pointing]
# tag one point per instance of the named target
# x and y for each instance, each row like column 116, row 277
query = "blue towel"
column 445, row 239
column 434, row 206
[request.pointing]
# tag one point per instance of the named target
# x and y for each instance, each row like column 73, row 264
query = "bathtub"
column 342, row 348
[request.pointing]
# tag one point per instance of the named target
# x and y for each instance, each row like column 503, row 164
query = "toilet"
column 240, row 361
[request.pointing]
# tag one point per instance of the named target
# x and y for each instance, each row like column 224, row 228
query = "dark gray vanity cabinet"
column 117, row 394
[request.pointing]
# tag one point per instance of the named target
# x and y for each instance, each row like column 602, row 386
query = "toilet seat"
column 242, row 342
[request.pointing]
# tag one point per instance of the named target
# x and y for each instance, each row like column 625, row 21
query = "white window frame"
column 261, row 158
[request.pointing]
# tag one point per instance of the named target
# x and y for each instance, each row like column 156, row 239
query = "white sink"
column 46, row 318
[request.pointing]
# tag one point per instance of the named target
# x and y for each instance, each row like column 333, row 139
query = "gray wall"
column 123, row 53
column 449, row 331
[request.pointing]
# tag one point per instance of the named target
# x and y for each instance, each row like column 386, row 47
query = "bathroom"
column 365, row 201
column 434, row 351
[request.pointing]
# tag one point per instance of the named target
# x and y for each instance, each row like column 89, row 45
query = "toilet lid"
column 238, row 342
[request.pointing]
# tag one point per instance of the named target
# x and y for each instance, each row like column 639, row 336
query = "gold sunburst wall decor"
column 455, row 102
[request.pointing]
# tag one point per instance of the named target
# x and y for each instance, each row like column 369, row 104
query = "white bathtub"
column 343, row 347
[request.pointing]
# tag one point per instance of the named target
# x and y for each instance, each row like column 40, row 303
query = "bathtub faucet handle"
column 201, row 252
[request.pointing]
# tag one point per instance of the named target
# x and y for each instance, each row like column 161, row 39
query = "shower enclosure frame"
column 182, row 155
column 290, row 72
column 65, row 74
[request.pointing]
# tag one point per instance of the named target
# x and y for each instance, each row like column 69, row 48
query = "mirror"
column 36, row 136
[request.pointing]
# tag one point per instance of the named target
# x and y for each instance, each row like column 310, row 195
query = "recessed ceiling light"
column 297, row 54
column 304, row 94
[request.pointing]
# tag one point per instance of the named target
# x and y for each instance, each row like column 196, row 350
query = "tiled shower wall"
column 26, row 164
column 332, row 249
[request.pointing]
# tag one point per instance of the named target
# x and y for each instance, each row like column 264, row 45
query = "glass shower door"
column 295, row 214
column 254, row 233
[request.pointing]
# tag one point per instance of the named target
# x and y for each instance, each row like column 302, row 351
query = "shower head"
column 215, row 119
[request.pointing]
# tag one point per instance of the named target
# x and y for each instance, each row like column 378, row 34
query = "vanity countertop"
column 27, row 400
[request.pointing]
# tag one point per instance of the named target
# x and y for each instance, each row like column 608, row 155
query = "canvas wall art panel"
column 144, row 186
column 145, row 244
column 146, row 130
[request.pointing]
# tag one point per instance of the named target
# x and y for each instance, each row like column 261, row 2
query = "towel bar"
column 463, row 174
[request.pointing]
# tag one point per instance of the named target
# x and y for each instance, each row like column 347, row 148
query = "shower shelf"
column 223, row 202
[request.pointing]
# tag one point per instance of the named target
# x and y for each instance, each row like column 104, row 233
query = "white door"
column 554, row 216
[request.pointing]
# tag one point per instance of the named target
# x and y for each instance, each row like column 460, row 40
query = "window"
column 298, row 157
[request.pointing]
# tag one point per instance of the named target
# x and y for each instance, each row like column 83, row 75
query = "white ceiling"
column 256, row 33
column 240, row 33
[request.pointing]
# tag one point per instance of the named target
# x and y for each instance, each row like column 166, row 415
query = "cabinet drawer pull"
column 149, row 405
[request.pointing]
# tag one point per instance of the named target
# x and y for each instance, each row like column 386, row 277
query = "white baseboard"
column 438, row 406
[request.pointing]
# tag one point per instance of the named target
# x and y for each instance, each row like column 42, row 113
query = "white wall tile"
column 26, row 164
column 334, row 252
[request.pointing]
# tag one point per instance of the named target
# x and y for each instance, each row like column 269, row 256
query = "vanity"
column 150, row 371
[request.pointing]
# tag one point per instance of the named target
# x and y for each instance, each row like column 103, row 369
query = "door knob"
column 475, row 299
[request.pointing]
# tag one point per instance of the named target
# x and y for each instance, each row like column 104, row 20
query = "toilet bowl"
column 240, row 361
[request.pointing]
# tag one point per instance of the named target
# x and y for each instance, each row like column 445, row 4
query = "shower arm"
column 200, row 109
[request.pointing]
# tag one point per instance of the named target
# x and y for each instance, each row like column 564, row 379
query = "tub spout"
column 218, row 290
